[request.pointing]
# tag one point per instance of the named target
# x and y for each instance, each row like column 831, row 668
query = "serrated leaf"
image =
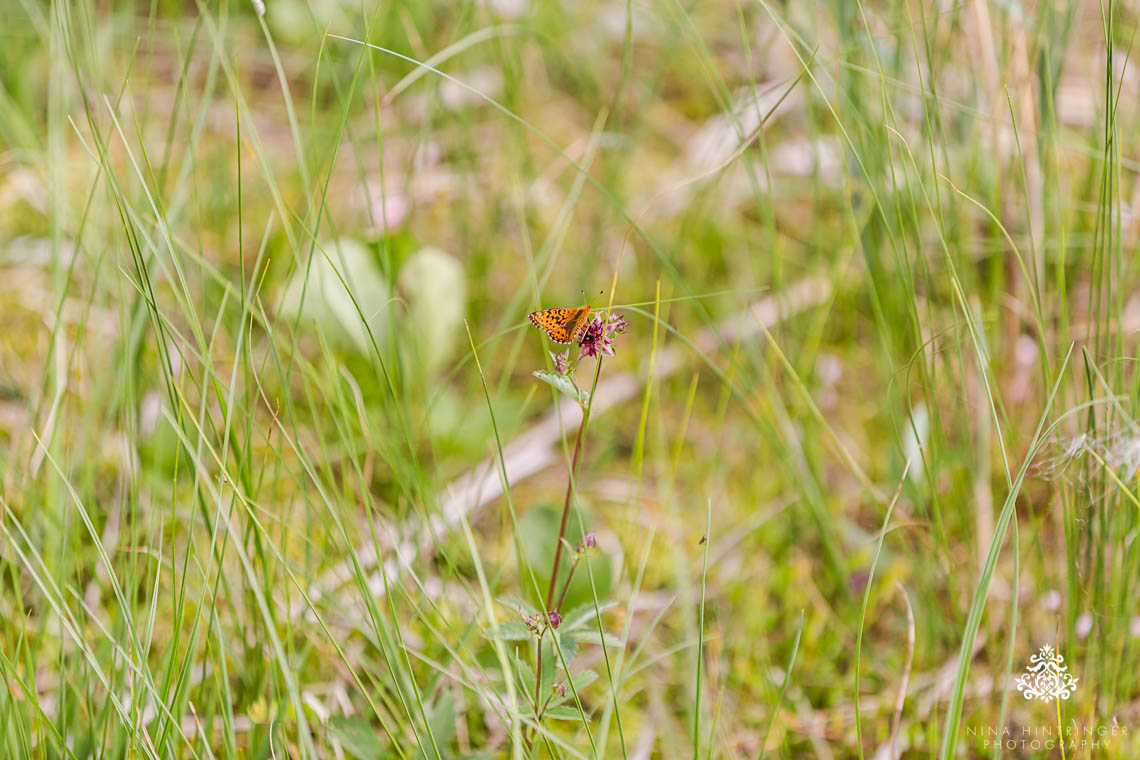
column 591, row 637
column 581, row 681
column 569, row 646
column 578, row 616
column 512, row 630
column 584, row 679
column 441, row 720
column 563, row 712
column 517, row 604
column 525, row 674
column 562, row 384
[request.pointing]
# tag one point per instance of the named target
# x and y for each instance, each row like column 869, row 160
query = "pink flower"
column 599, row 336
column 561, row 361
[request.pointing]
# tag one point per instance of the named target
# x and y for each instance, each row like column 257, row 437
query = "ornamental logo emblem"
column 1047, row 677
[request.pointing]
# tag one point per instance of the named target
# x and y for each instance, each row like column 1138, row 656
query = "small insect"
column 562, row 325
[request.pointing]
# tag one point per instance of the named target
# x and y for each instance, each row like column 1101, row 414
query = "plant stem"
column 566, row 511
column 566, row 584
column 538, row 680
column 558, row 544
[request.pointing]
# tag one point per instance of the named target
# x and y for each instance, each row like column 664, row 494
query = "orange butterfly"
column 562, row 325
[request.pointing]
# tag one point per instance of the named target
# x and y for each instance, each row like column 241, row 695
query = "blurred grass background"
column 890, row 249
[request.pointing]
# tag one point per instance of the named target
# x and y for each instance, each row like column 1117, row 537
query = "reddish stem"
column 565, row 515
column 561, row 536
column 566, row 585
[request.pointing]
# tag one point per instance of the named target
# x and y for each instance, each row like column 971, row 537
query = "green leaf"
column 356, row 737
column 538, row 532
column 563, row 712
column 569, row 646
column 525, row 674
column 512, row 630
column 441, row 718
column 581, row 681
column 549, row 657
column 340, row 286
column 591, row 637
column 583, row 614
column 562, row 384
column 517, row 604
column 435, row 286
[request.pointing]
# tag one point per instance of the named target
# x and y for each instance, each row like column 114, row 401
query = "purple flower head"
column 554, row 618
column 588, row 541
column 599, row 336
column 558, row 688
column 533, row 622
column 561, row 361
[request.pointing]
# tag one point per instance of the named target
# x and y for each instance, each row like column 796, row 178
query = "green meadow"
column 842, row 462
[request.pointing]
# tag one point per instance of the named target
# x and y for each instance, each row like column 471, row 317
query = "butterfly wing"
column 576, row 324
column 563, row 325
column 551, row 322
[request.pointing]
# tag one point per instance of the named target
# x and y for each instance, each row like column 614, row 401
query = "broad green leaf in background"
column 356, row 736
column 435, row 288
column 538, row 529
column 328, row 303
